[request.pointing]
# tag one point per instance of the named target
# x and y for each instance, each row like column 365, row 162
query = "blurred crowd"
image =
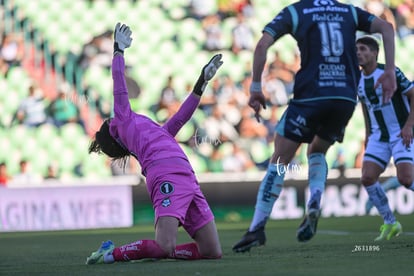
column 227, row 138
column 400, row 13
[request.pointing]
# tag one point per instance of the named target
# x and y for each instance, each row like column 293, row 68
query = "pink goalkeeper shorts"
column 175, row 192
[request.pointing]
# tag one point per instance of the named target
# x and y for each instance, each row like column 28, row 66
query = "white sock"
column 259, row 219
column 380, row 201
column 109, row 258
column 269, row 191
column 318, row 171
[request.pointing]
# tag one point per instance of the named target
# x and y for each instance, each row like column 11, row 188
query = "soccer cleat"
column 389, row 231
column 249, row 240
column 307, row 228
column 97, row 257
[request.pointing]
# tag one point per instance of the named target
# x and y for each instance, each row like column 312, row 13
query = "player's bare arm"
column 257, row 99
column 387, row 80
column 407, row 130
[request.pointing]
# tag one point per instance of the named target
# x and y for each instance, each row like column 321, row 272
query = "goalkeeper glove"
column 207, row 73
column 122, row 38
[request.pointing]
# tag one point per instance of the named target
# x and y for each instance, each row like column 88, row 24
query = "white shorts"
column 381, row 152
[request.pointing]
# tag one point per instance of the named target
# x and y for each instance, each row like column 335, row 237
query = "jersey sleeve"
column 178, row 120
column 122, row 108
column 281, row 24
column 403, row 84
column 363, row 19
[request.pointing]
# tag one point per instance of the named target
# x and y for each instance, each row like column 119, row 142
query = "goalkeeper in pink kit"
column 171, row 182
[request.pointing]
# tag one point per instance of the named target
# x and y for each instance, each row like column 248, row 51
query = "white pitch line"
column 334, row 232
column 345, row 233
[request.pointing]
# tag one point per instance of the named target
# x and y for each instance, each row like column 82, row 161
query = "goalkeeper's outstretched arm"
column 176, row 122
column 122, row 40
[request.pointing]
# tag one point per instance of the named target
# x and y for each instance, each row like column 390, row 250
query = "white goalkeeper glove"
column 207, row 73
column 122, row 38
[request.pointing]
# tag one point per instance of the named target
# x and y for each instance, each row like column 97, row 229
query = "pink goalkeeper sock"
column 137, row 250
column 187, row 251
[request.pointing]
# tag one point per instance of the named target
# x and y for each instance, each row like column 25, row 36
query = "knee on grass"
column 167, row 246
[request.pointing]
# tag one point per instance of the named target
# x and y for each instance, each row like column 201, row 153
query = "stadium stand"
column 167, row 42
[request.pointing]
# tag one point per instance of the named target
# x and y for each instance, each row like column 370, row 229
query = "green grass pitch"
column 342, row 246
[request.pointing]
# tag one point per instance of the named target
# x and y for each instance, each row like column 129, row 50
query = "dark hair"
column 371, row 42
column 105, row 143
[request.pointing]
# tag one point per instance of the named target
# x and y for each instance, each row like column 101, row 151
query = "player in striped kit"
column 389, row 129
column 171, row 182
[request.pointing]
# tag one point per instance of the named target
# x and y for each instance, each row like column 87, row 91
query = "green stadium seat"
column 68, row 159
column 5, row 144
column 351, row 149
column 204, row 149
column 122, row 8
column 167, row 50
column 186, row 30
column 74, row 138
column 187, row 150
column 302, row 154
column 40, row 160
column 198, row 163
column 235, row 68
column 14, row 156
column 162, row 115
column 96, row 166
column 45, row 133
column 100, row 9
column 55, row 147
column 81, row 148
column 71, row 131
column 157, row 20
column 330, row 155
column 101, row 81
column 186, row 132
column 226, row 148
column 4, row 119
column 30, row 146
column 18, row 134
column 30, row 8
column 260, row 151
column 149, row 114
column 199, row 117
column 172, row 4
column 18, row 80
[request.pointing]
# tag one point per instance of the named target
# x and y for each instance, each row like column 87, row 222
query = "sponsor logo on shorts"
column 166, row 188
column 166, row 202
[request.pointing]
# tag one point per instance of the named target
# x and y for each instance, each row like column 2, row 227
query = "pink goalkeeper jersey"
column 144, row 138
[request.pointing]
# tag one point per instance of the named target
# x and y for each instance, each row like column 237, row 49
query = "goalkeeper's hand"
column 122, row 38
column 207, row 73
